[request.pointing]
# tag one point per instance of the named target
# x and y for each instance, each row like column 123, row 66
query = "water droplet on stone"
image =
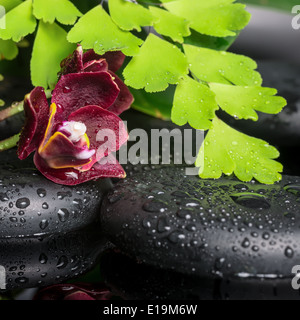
column 41, row 192
column 44, row 224
column 266, row 236
column 113, row 198
column 12, row 269
column 162, row 225
column 146, row 223
column 219, row 263
column 63, row 214
column 153, row 206
column 246, row 243
column 45, row 206
column 293, row 188
column 21, row 280
column 62, row 262
column 179, row 194
column 241, row 187
column 62, row 195
column 289, row 252
column 185, row 214
column 22, row 203
column 175, row 237
column 251, row 200
column 191, row 227
column 3, row 197
column 43, row 258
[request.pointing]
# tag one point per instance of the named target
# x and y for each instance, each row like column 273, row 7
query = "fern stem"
column 9, row 143
column 15, row 108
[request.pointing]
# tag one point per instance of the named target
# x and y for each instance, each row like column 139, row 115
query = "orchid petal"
column 125, row 98
column 59, row 152
column 71, row 176
column 97, row 119
column 66, row 291
column 73, row 63
column 96, row 66
column 74, row 91
column 79, row 295
column 37, row 114
column 115, row 59
column 49, row 128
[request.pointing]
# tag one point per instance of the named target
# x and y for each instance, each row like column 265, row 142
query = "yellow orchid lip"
column 47, row 135
column 59, row 151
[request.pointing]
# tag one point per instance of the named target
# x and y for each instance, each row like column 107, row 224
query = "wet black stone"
column 137, row 281
column 216, row 232
column 32, row 205
column 55, row 258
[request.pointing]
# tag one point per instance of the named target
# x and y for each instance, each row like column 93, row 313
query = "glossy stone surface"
column 31, row 205
column 137, row 281
column 48, row 233
column 210, row 229
column 46, row 260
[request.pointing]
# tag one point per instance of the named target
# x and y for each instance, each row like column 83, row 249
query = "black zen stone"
column 31, row 205
column 137, row 281
column 54, row 258
column 210, row 229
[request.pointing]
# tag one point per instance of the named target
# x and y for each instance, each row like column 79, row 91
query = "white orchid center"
column 76, row 130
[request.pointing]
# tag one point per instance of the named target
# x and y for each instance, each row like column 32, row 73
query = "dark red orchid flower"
column 78, row 291
column 87, row 99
